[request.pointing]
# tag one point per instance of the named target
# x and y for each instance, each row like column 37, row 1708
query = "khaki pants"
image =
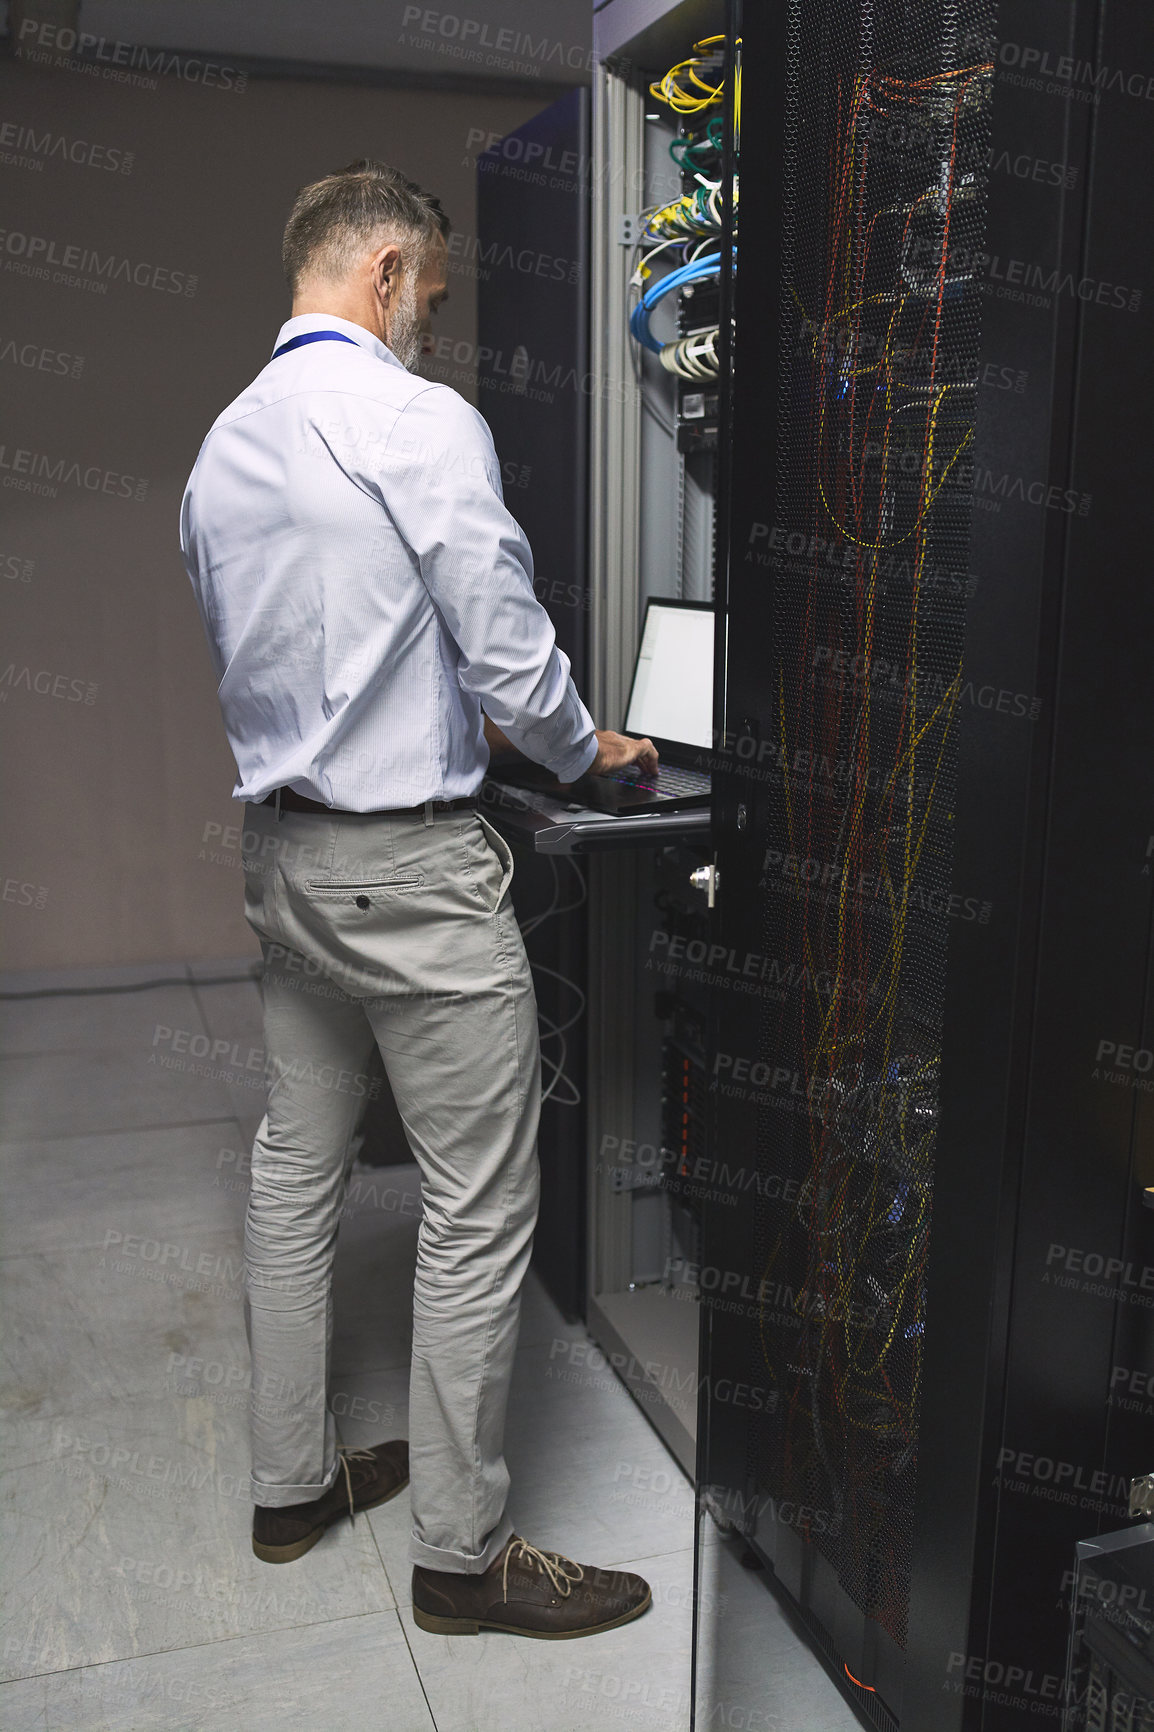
column 397, row 932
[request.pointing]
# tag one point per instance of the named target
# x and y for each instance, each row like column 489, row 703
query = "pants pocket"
column 361, row 891
column 504, row 854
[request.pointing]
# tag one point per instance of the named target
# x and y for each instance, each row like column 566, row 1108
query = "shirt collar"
column 329, row 322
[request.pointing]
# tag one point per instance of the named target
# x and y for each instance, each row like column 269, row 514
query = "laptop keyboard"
column 669, row 780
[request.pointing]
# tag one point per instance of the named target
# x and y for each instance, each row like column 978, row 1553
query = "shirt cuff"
column 576, row 762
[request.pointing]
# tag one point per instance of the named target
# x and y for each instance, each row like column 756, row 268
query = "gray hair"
column 335, row 218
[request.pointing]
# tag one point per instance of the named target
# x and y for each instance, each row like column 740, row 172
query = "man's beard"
column 404, row 337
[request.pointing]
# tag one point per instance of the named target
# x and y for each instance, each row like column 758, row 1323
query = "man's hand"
column 615, row 750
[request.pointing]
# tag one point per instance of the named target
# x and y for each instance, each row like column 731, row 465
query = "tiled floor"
column 133, row 1599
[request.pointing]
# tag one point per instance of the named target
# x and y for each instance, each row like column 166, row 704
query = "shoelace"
column 347, row 1455
column 550, row 1562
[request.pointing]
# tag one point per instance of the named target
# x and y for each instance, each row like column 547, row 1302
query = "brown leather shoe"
column 367, row 1477
column 527, row 1592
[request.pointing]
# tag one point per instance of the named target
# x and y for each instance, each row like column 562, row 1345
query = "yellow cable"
column 684, row 101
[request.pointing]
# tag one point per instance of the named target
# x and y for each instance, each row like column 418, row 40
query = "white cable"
column 536, row 919
column 554, row 1067
column 692, row 357
column 637, row 279
column 557, row 1067
column 560, row 1027
column 554, row 908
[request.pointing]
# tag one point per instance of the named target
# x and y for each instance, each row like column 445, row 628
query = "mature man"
column 368, row 601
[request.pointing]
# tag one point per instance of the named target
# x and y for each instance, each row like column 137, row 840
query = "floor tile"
column 541, row 1321
column 346, row 1675
column 585, row 1460
column 234, row 1018
column 71, row 1192
column 147, row 1083
column 131, row 1533
column 751, row 1659
column 232, row 1010
column 373, row 1274
column 76, row 1022
column 93, row 1325
column 227, row 967
column 371, row 1407
column 89, row 978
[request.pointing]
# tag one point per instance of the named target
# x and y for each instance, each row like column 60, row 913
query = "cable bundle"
column 697, row 270
column 560, row 1087
column 695, row 213
column 693, row 357
column 687, row 153
column 681, row 88
column 881, row 422
column 695, row 221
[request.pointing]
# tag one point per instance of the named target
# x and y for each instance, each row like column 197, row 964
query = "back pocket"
column 349, row 890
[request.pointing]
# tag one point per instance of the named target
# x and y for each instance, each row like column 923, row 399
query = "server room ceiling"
column 494, row 39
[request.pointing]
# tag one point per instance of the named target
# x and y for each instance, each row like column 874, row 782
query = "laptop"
column 670, row 702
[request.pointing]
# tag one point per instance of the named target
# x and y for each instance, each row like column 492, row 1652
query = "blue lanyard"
column 313, row 337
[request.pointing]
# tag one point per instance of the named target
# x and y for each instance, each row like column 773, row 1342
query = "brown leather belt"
column 293, row 802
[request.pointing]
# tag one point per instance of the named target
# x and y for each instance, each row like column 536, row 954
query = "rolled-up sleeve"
column 440, row 482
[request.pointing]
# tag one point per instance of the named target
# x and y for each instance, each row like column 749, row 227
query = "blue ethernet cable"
column 693, row 272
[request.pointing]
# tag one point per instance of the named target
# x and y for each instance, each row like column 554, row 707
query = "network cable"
column 559, row 1086
column 694, row 357
column 698, row 270
column 682, row 89
column 693, row 214
column 693, row 224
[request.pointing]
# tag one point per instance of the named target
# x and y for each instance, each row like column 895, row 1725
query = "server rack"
column 1109, row 1684
column 932, row 817
column 654, row 477
column 920, row 1264
column 619, row 507
column 532, row 265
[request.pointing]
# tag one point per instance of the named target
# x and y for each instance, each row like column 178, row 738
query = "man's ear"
column 383, row 269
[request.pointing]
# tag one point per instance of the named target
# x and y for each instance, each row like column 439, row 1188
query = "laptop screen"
column 672, row 696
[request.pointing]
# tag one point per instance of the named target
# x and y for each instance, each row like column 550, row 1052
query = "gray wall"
column 532, row 39
column 117, row 774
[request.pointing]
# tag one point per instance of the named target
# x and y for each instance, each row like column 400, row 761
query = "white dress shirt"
column 364, row 589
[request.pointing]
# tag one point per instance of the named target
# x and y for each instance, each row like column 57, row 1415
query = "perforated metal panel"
column 884, row 206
